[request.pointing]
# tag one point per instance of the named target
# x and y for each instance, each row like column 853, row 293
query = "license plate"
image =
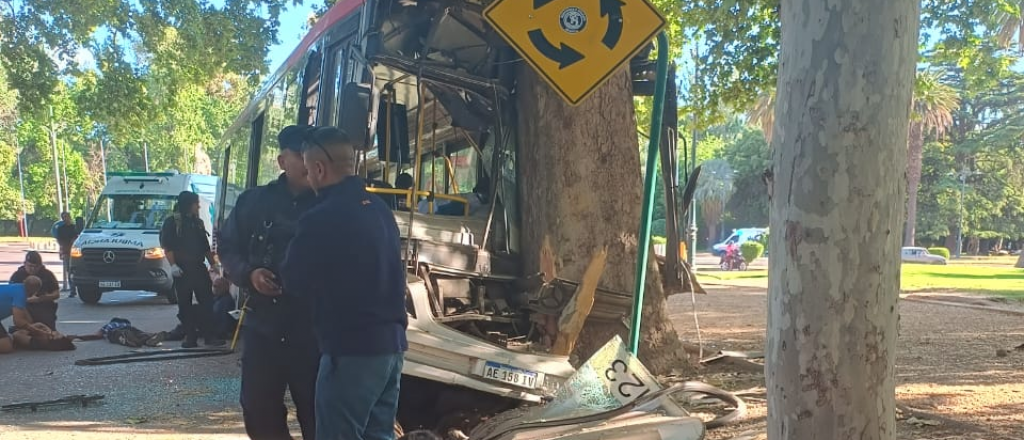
column 510, row 375
column 110, row 284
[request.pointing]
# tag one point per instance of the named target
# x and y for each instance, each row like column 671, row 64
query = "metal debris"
column 78, row 399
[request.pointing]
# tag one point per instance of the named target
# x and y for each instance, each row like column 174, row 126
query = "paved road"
column 143, row 400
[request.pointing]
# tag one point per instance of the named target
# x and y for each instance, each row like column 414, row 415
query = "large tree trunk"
column 973, row 246
column 712, row 233
column 951, row 240
column 840, row 138
column 712, row 213
column 580, row 190
column 915, row 151
column 1020, row 261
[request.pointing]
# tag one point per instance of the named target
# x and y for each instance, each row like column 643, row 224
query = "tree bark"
column 973, row 246
column 712, row 233
column 951, row 240
column 845, row 83
column 1020, row 261
column 915, row 152
column 580, row 188
column 711, row 210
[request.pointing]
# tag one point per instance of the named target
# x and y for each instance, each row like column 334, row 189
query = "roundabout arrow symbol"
column 564, row 56
column 613, row 10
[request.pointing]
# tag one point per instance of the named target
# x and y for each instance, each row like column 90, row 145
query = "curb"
column 46, row 246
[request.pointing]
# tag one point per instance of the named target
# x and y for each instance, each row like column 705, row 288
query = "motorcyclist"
column 731, row 250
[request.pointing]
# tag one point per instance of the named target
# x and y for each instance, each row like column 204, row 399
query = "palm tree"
column 933, row 107
column 714, row 187
column 1010, row 27
column 763, row 113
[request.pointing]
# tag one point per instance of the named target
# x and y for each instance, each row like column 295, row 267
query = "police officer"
column 279, row 347
column 184, row 238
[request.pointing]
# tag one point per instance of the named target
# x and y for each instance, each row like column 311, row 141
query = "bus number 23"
column 627, row 387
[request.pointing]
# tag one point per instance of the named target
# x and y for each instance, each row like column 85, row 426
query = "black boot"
column 178, row 334
column 191, row 341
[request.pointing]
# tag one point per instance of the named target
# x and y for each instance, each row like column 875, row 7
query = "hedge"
column 751, row 250
column 939, row 251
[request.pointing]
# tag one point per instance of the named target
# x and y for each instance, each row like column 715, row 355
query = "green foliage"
column 187, row 126
column 658, row 227
column 657, row 239
column 939, row 251
column 749, row 156
column 751, row 250
column 137, row 46
column 764, row 240
column 738, row 43
column 738, row 57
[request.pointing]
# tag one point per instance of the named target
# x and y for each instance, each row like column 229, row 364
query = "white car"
column 921, row 256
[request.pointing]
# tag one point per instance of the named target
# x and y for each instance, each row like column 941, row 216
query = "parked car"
column 921, row 256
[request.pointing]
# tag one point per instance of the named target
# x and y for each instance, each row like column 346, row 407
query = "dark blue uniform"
column 186, row 237
column 279, row 346
column 346, row 256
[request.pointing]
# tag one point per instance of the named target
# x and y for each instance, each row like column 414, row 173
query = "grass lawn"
column 1005, row 281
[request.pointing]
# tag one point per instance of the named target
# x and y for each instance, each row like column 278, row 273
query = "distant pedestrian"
column 67, row 233
column 346, row 257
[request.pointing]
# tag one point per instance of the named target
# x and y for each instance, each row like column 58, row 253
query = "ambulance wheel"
column 89, row 296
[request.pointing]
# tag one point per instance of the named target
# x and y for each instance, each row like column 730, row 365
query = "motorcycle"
column 732, row 260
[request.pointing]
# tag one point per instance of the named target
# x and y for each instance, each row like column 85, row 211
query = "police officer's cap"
column 293, row 136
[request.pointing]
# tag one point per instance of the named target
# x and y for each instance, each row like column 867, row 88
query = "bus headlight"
column 76, row 252
column 154, row 253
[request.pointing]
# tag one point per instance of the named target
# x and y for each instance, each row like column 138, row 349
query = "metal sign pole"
column 647, row 211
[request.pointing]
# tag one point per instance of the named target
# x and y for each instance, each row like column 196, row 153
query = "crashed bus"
column 426, row 87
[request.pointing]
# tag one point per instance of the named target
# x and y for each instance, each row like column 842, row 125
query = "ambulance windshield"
column 131, row 211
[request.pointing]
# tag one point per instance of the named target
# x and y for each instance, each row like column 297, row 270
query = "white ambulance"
column 119, row 248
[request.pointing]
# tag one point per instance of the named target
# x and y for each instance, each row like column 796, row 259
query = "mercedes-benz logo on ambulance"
column 108, row 257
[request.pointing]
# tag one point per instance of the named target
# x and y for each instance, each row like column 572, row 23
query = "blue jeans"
column 223, row 323
column 357, row 397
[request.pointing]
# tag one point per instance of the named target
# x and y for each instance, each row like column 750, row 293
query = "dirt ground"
column 951, row 382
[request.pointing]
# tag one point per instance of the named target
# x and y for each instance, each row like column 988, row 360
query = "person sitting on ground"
column 32, row 286
column 12, row 303
column 37, row 335
column 41, row 305
column 223, row 304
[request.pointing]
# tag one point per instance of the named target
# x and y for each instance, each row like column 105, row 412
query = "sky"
column 293, row 28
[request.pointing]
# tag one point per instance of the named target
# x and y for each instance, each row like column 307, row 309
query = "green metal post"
column 649, row 179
